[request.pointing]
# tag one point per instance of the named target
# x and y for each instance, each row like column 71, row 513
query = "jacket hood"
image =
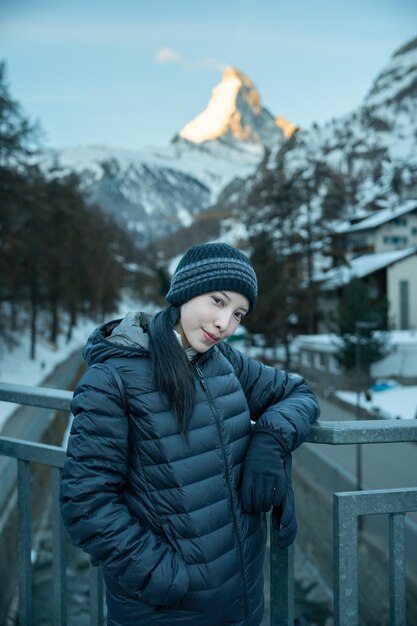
column 126, row 337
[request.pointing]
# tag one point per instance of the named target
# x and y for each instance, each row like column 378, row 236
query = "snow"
column 397, row 403
column 395, row 78
column 377, row 219
column 212, row 122
column 402, row 359
column 17, row 368
column 324, row 342
column 359, row 267
column 214, row 164
column 184, row 217
column 235, row 113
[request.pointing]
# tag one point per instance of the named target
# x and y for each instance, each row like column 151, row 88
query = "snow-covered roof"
column 378, row 218
column 360, row 267
column 324, row 340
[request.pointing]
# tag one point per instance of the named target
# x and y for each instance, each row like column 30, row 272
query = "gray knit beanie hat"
column 212, row 267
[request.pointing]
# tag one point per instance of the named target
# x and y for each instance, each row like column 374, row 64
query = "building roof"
column 359, row 267
column 377, row 219
column 328, row 342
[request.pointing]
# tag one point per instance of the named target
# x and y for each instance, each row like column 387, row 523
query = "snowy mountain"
column 155, row 191
column 351, row 166
column 159, row 190
column 235, row 113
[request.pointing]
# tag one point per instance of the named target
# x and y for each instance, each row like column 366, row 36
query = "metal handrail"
column 282, row 566
column 329, row 432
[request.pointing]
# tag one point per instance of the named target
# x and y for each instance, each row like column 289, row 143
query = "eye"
column 239, row 316
column 218, row 301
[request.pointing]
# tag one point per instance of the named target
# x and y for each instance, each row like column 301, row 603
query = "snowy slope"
column 350, row 166
column 376, row 145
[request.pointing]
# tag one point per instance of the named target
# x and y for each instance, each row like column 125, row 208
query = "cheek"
column 188, row 323
column 191, row 319
column 232, row 327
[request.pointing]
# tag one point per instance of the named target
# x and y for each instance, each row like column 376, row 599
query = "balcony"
column 349, row 507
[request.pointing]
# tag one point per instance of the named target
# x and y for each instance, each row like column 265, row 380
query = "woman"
column 167, row 487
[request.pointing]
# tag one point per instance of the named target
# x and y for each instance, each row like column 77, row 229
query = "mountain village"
column 328, row 217
column 354, row 214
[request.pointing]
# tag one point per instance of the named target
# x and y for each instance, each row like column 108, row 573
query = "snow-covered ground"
column 396, row 403
column 17, row 368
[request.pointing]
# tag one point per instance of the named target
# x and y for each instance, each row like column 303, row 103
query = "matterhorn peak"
column 234, row 112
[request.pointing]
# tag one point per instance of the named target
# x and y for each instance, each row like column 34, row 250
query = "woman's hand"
column 264, row 481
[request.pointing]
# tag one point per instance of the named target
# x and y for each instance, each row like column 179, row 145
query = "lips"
column 209, row 337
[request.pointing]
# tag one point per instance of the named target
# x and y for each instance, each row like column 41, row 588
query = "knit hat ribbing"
column 212, row 267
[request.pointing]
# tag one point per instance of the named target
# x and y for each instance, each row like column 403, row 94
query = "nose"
column 222, row 320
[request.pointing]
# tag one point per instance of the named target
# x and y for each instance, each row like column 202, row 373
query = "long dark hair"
column 171, row 367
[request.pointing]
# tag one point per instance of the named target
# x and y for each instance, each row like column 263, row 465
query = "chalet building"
column 318, row 363
column 380, row 249
column 392, row 274
column 386, row 230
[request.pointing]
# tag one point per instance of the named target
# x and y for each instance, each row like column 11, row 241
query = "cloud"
column 210, row 63
column 167, row 55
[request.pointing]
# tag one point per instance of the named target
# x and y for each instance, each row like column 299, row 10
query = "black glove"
column 284, row 520
column 264, row 480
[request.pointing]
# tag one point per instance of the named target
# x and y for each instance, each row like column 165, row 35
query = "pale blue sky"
column 133, row 72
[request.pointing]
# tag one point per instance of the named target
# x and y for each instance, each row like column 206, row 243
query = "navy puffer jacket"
column 161, row 511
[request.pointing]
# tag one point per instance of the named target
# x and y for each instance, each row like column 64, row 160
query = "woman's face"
column 207, row 319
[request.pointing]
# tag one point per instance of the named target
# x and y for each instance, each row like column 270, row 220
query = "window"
column 395, row 240
column 306, row 358
column 335, row 366
column 400, row 221
column 320, row 361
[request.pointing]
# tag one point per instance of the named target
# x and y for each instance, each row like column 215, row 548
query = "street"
column 384, row 466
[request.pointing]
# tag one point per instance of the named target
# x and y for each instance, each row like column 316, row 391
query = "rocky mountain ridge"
column 235, row 113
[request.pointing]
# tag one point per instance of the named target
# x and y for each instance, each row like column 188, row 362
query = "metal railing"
column 348, row 506
column 27, row 453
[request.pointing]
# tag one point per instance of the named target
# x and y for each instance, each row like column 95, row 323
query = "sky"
column 132, row 73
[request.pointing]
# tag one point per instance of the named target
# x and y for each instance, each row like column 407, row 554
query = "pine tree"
column 19, row 138
column 58, row 254
column 361, row 323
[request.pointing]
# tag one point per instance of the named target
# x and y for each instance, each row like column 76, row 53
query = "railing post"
column 348, row 506
column 24, row 507
column 58, row 553
column 96, row 596
column 282, row 583
column 397, row 568
column 345, row 565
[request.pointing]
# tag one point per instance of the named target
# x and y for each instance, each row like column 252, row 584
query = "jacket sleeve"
column 92, row 503
column 279, row 402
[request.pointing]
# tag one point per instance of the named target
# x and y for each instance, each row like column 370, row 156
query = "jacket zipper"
column 235, row 523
